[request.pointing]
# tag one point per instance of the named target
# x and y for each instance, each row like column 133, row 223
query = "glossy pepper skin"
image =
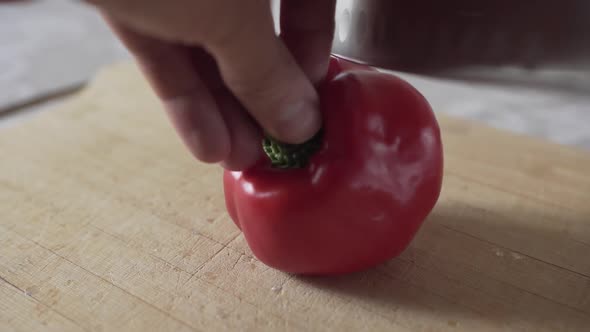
column 361, row 198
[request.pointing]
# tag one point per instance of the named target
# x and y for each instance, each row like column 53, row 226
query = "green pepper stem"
column 287, row 156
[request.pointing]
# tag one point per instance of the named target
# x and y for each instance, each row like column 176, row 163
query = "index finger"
column 262, row 73
column 307, row 27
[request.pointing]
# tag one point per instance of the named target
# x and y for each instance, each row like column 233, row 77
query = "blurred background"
column 50, row 49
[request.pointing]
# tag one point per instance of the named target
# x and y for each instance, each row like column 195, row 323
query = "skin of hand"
column 223, row 74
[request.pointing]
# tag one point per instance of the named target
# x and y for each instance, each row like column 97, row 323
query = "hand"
column 223, row 74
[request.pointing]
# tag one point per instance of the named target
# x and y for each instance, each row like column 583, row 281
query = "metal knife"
column 429, row 36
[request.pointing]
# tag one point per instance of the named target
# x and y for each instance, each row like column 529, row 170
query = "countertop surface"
column 51, row 47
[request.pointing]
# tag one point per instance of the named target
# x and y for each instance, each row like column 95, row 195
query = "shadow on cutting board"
column 460, row 270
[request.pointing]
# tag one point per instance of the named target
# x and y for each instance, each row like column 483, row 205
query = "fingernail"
column 297, row 122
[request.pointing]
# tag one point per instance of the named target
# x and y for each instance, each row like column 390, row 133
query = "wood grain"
column 108, row 224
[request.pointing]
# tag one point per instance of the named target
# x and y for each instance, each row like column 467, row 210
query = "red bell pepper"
column 338, row 65
column 356, row 194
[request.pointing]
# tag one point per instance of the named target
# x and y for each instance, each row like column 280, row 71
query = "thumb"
column 263, row 75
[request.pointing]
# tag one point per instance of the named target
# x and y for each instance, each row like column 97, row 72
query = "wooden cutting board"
column 107, row 223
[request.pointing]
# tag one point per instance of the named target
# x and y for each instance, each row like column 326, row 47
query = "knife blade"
column 428, row 36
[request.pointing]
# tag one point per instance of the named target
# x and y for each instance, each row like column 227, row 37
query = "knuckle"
column 263, row 92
